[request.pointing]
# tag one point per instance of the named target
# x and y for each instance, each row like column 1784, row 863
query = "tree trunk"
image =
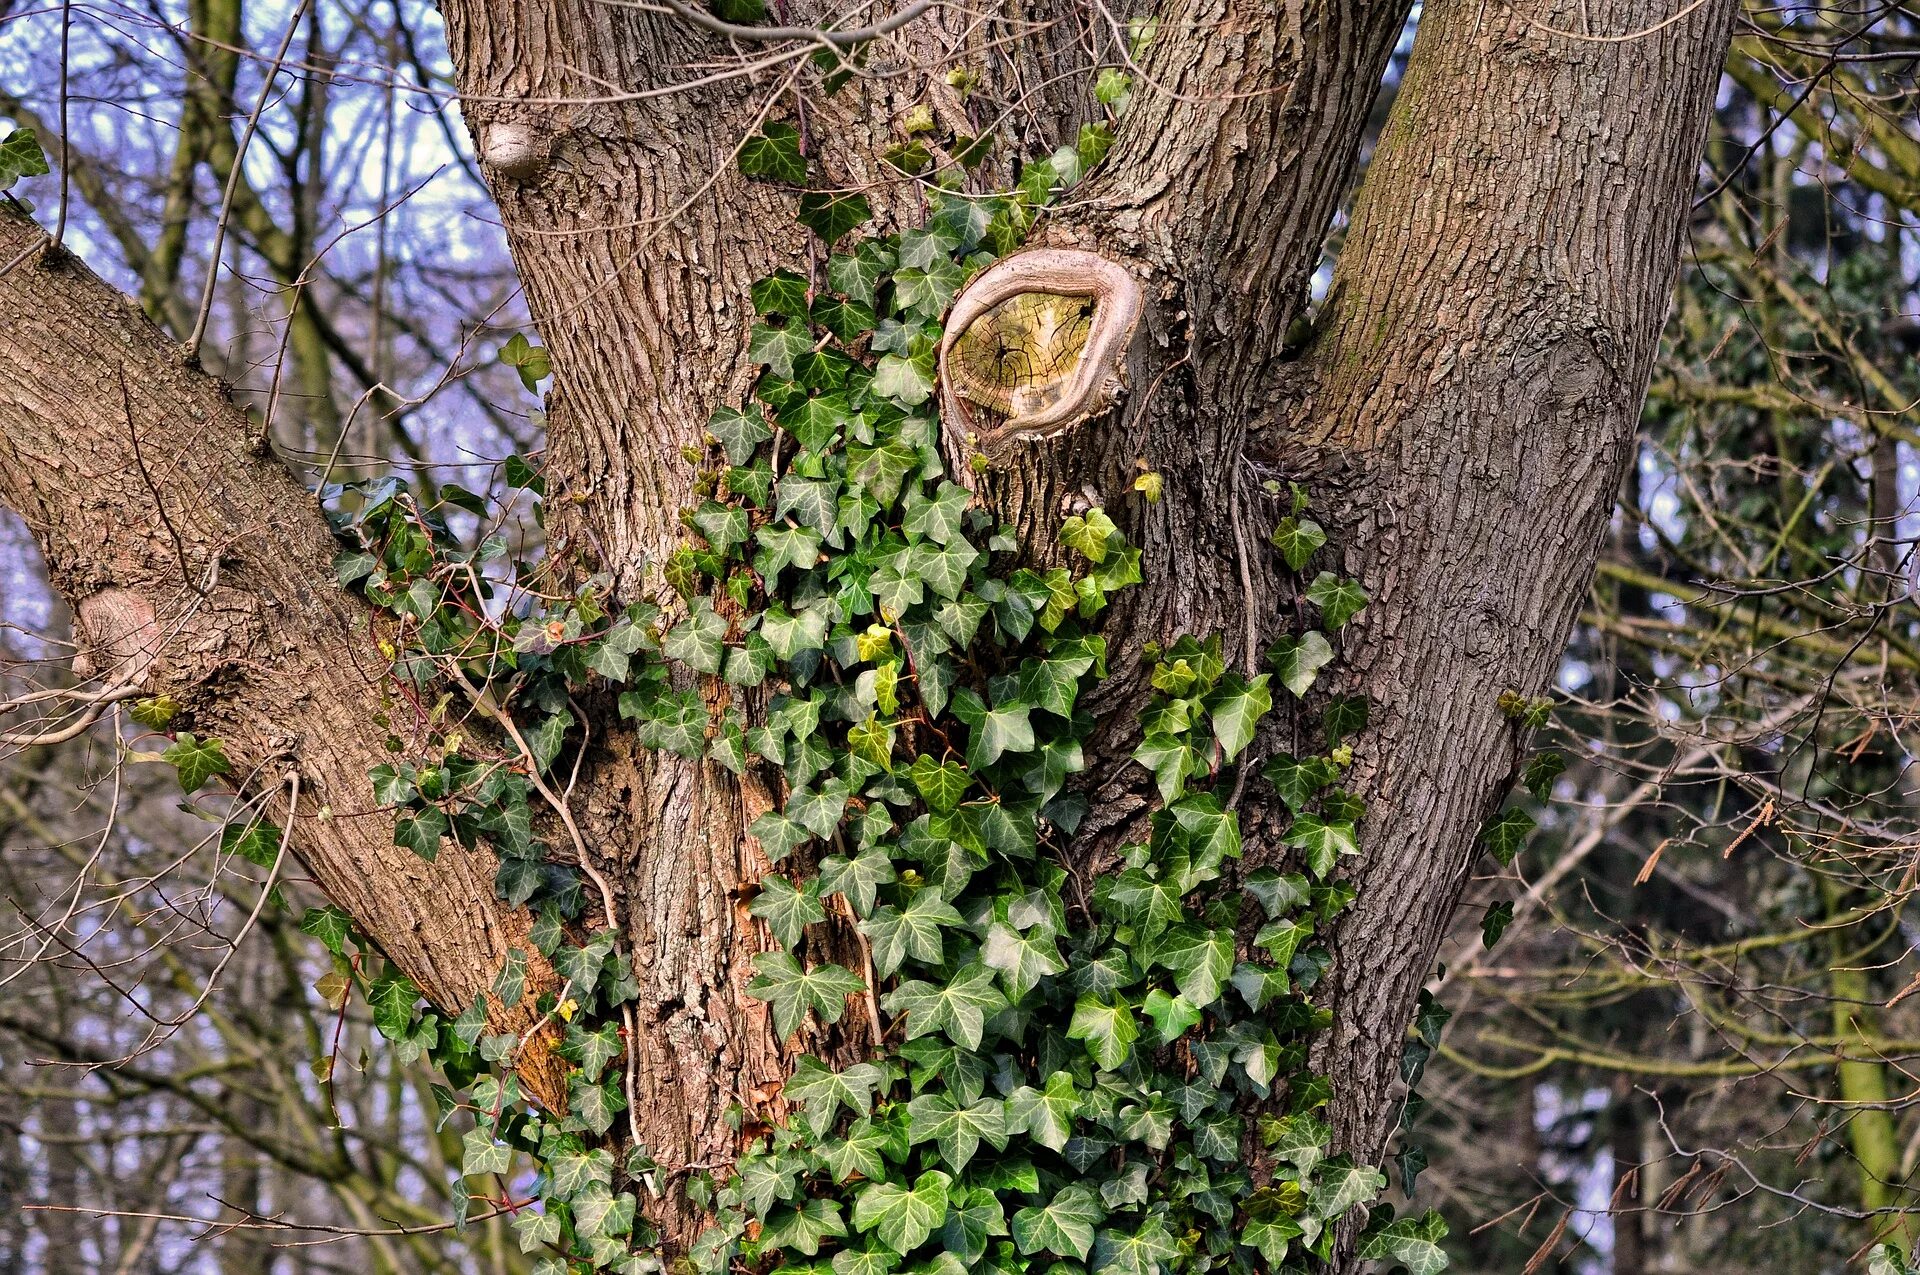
column 1461, row 419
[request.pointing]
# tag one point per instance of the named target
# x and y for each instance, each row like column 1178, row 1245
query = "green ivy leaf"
column 1235, row 708
column 1322, row 841
column 1064, row 1225
column 1298, row 781
column 1413, row 1242
column 858, row 878
column 943, row 784
column 791, row 991
column 831, row 216
column 774, row 154
column 788, row 910
column 196, row 760
column 1505, row 835
column 1046, row 1113
column 1022, row 958
column 801, row 1229
column 783, row 292
column 1498, row 917
column 1298, row 660
column 697, row 640
column 330, row 925
column 421, row 831
column 1296, row 538
column 1108, row 1029
column 823, row 1091
column 958, row 1008
column 1200, row 960
column 1339, row 600
column 740, row 432
column 957, row 1129
column 909, row 933
column 902, row 1218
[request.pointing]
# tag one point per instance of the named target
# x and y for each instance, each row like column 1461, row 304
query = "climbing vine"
column 1068, row 1070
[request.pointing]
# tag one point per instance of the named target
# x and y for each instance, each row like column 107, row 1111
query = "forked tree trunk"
column 1460, row 418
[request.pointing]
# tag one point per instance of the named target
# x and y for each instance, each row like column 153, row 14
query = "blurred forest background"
column 1696, row 1044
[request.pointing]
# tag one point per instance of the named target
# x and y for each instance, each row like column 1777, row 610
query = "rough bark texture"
column 194, row 559
column 1460, row 419
column 1474, row 393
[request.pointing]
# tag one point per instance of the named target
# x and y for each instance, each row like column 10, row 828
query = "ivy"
column 1101, row 1076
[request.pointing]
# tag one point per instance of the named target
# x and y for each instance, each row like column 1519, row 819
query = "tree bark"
column 1465, row 412
column 198, row 567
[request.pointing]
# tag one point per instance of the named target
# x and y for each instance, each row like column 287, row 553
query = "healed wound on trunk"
column 1036, row 344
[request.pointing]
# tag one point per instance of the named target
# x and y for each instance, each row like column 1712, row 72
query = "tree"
column 1458, row 413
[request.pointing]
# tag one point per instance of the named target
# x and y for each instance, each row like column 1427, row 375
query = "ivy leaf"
column 901, row 1218
column 819, row 810
column 943, row 567
column 856, row 275
column 823, row 1091
column 908, row 381
column 1200, row 960
column 992, row 732
column 724, row 526
column 1108, row 1029
column 936, row 517
column 943, row 784
column 1541, row 770
column 1298, row 660
column 1170, row 760
column 801, row 1229
column 330, row 925
column 1235, row 709
column 858, row 1152
column 1064, row 1225
column 776, row 836
column 696, row 640
column 909, row 933
column 872, row 740
column 782, row 292
column 1505, row 835
column 1339, row 600
column 392, row 999
column 1298, row 781
column 1278, row 894
column 1022, row 958
column 1283, row 938
column 1146, row 904
column 1047, row 1113
column 420, row 831
column 739, row 432
column 1494, row 924
column 788, row 910
column 858, row 878
column 957, row 1129
column 774, row 154
column 1344, row 715
column 1296, row 538
column 1145, row 1252
column 1414, row 1242
column 1323, row 841
column 790, row 634
column 593, row 1050
column 791, row 991
column 1171, row 1015
column 197, row 760
column 1089, row 534
column 831, row 216
column 481, row 1154
column 927, row 292
column 536, row 1230
column 958, row 1009
column 1340, row 1185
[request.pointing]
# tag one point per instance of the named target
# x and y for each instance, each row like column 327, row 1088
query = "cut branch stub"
column 1036, row 344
